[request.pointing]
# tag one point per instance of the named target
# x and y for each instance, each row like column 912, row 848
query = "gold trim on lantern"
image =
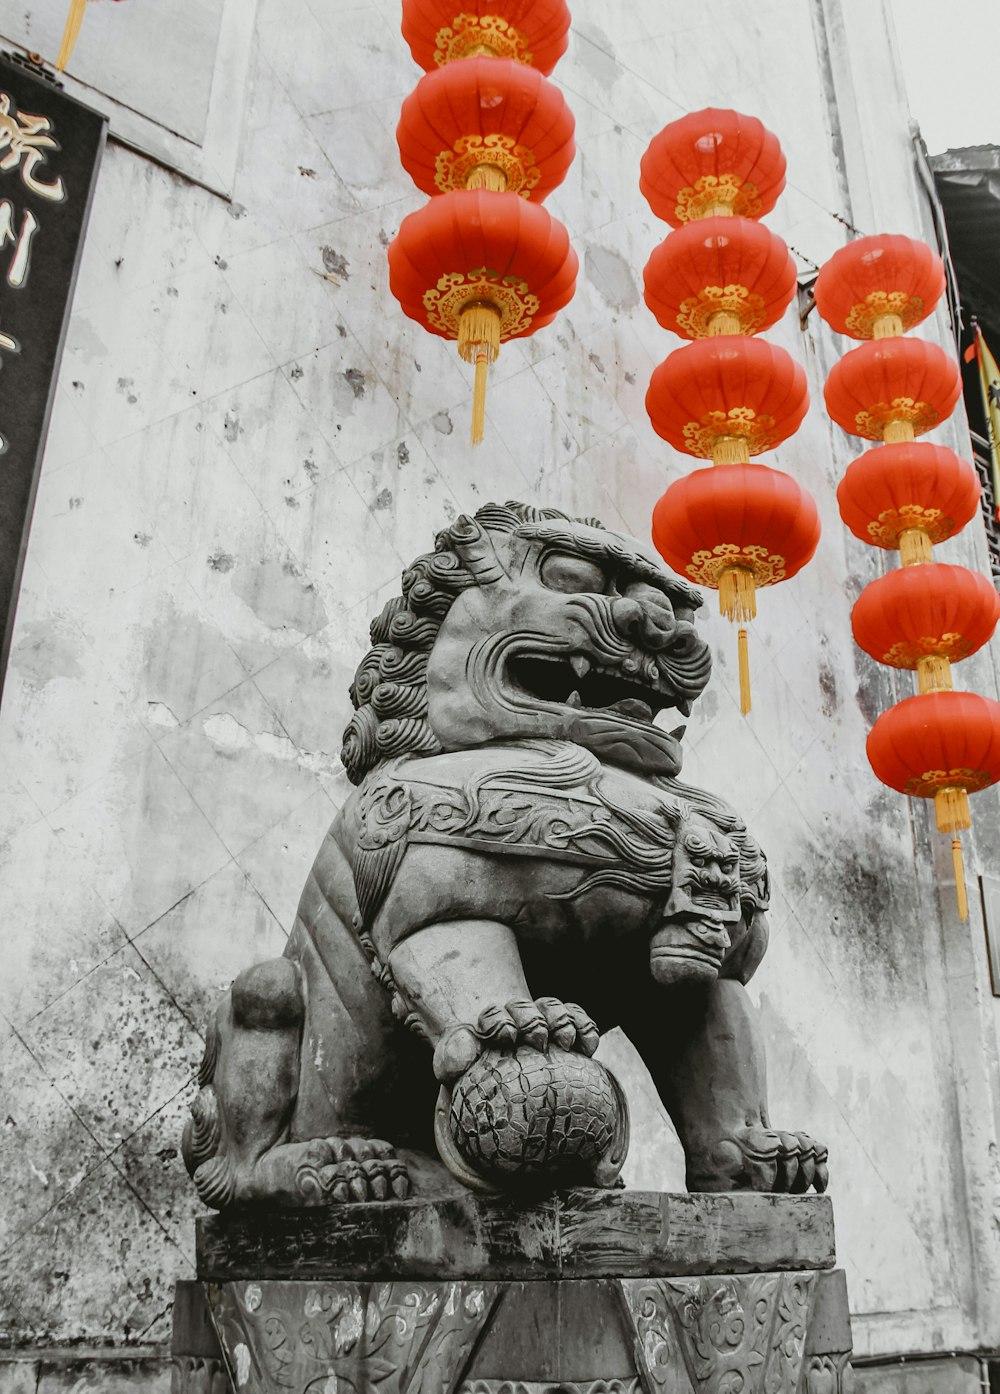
column 468, row 36
column 717, row 196
column 900, row 420
column 889, row 527
column 459, row 167
column 946, row 649
column 739, row 423
column 456, row 291
column 932, row 782
column 709, row 568
column 885, row 314
column 721, row 310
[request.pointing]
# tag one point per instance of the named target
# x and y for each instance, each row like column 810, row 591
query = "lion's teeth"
column 678, row 732
column 684, row 706
column 580, row 665
column 573, row 700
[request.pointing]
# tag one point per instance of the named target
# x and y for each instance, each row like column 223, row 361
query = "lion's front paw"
column 756, row 1158
column 328, row 1170
column 534, row 1024
column 352, row 1169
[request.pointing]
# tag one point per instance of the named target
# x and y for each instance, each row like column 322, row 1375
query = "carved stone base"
column 682, row 1327
column 761, row 1333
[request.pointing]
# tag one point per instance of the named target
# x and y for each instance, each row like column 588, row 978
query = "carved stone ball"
column 530, row 1113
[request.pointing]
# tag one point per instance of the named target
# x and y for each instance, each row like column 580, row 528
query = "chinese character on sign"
column 25, row 140
column 17, row 271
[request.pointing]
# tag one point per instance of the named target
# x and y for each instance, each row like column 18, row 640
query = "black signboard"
column 50, row 147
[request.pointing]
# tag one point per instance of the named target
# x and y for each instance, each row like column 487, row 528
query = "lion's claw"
column 756, row 1158
column 344, row 1170
column 537, row 1024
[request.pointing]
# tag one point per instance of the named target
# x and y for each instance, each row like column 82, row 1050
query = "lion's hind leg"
column 249, row 1081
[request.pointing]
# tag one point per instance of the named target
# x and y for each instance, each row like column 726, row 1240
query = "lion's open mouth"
column 576, row 682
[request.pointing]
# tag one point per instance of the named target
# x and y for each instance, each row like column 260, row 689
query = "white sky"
column 950, row 58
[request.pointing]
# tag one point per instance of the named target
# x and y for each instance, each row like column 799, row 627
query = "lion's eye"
column 561, row 571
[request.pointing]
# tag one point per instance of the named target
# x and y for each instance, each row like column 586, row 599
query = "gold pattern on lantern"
column 707, row 568
column 888, row 528
column 699, row 315
column 715, row 196
column 471, row 35
column 457, row 291
column 911, row 653
column 962, row 779
column 884, row 314
column 896, row 421
column 455, row 168
column 742, row 424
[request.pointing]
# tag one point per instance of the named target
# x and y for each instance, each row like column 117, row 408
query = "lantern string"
column 687, row 109
column 959, row 867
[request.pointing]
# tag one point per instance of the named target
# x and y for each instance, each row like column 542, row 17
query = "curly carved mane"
column 389, row 691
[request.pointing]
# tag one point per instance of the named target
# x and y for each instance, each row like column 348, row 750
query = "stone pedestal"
column 608, row 1292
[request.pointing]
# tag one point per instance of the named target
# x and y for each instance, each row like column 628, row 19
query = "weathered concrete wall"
column 250, row 442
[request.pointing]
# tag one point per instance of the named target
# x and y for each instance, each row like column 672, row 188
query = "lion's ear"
column 744, row 961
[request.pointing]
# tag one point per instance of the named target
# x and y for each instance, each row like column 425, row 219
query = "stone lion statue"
column 517, row 844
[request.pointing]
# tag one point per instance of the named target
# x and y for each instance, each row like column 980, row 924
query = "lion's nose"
column 646, row 622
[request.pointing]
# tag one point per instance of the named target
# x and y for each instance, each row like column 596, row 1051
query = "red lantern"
column 727, row 398
column 895, row 490
column 736, row 528
column 481, row 268
column 941, row 746
column 527, row 31
column 926, row 617
column 878, row 287
column 713, row 162
column 893, row 389
column 486, row 123
column 719, row 276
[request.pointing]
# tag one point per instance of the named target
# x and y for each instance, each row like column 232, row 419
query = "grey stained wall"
column 249, row 443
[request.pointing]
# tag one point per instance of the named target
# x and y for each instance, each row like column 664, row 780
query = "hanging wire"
column 685, row 110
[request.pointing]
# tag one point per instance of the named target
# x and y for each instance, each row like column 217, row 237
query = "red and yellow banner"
column 989, row 382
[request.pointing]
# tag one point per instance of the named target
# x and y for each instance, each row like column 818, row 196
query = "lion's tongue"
column 634, row 707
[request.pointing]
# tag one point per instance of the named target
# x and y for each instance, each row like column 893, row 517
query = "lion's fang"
column 580, row 665
column 574, row 700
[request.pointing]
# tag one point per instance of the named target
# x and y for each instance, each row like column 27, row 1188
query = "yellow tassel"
column 737, row 593
column 934, row 673
column 724, row 322
column 738, row 601
column 730, row 450
column 71, row 32
column 479, row 328
column 952, row 808
column 744, row 653
column 489, row 177
column 897, row 432
column 914, row 547
column 888, row 326
column 479, row 343
column 479, row 397
column 959, row 866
